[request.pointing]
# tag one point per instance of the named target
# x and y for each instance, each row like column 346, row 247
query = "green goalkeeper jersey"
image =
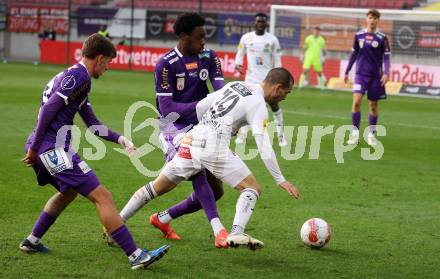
column 314, row 46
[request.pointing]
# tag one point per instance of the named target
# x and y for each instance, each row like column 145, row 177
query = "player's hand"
column 30, row 158
column 239, row 68
column 346, row 79
column 292, row 190
column 128, row 145
column 384, row 79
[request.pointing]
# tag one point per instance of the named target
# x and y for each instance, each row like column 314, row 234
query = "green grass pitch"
column 384, row 214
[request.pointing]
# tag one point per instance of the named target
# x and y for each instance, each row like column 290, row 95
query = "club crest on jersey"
column 266, row 48
column 375, row 43
column 68, row 82
column 180, row 83
column 203, row 75
column 191, row 66
column 361, row 43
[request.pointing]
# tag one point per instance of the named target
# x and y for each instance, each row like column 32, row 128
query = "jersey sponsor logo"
column 375, row 44
column 180, row 83
column 369, row 37
column 55, row 160
column 83, row 89
column 165, row 85
column 68, row 82
column 203, row 75
column 259, row 60
column 191, row 66
column 241, row 89
column 84, row 167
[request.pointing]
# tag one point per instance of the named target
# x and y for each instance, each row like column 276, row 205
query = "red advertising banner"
column 145, row 59
column 25, row 18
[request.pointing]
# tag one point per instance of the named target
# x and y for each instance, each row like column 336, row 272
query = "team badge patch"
column 68, row 82
column 375, row 43
column 180, row 83
column 203, row 75
column 56, row 160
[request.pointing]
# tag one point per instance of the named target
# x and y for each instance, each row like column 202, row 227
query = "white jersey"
column 226, row 110
column 263, row 54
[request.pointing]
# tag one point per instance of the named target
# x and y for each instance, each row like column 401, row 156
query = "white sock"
column 164, row 217
column 355, row 133
column 138, row 200
column 278, row 117
column 243, row 131
column 135, row 254
column 216, row 225
column 244, row 209
column 33, row 239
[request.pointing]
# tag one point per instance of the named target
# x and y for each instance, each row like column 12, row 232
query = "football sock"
column 138, row 200
column 278, row 117
column 244, row 209
column 216, row 225
column 372, row 120
column 356, row 119
column 202, row 197
column 301, row 80
column 123, row 237
column 321, row 81
column 33, row 239
column 164, row 217
column 242, row 133
column 43, row 223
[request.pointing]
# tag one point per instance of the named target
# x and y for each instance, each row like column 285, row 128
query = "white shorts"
column 193, row 157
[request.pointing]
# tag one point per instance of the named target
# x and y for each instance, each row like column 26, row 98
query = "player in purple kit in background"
column 181, row 76
column 48, row 152
column 371, row 49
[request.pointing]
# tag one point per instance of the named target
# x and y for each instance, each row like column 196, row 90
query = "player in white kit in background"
column 263, row 54
column 206, row 146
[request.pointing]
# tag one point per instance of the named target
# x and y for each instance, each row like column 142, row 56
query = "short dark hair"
column 97, row 44
column 280, row 75
column 374, row 13
column 317, row 28
column 260, row 14
column 187, row 22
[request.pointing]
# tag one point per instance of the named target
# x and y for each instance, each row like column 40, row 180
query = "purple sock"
column 372, row 120
column 203, row 193
column 356, row 119
column 42, row 224
column 123, row 237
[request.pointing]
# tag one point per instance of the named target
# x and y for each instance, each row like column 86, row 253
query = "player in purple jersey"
column 48, row 152
column 371, row 49
column 181, row 76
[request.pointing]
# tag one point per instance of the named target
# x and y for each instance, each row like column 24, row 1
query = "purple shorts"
column 53, row 166
column 372, row 85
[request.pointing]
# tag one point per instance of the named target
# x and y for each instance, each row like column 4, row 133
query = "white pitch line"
column 346, row 118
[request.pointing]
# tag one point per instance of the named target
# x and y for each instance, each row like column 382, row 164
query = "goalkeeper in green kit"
column 314, row 55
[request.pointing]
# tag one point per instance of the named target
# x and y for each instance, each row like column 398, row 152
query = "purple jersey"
column 370, row 51
column 181, row 83
column 64, row 96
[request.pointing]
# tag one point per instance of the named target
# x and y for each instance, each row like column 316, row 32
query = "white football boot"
column 242, row 239
column 371, row 139
column 354, row 137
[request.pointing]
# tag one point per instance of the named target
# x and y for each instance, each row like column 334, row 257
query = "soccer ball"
column 315, row 233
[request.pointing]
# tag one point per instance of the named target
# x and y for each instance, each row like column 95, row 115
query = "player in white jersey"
column 263, row 53
column 206, row 146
